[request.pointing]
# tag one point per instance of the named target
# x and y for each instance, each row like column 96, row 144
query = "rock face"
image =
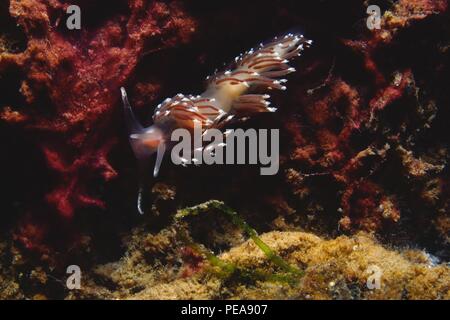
column 364, row 129
column 70, row 83
column 334, row 269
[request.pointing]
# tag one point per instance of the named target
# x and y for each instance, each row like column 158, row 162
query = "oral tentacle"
column 139, row 203
column 133, row 125
column 159, row 158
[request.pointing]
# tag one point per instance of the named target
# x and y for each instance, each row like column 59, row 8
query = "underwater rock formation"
column 70, row 82
column 334, row 269
column 365, row 147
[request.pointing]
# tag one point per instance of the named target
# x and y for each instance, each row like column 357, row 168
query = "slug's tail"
column 266, row 64
column 260, row 68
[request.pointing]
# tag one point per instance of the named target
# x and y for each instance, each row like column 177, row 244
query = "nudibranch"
column 229, row 94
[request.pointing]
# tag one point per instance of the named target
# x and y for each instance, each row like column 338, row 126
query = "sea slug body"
column 228, row 95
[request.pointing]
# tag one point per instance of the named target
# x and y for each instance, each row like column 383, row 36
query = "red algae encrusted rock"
column 363, row 120
column 350, row 131
column 71, row 83
column 364, row 146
